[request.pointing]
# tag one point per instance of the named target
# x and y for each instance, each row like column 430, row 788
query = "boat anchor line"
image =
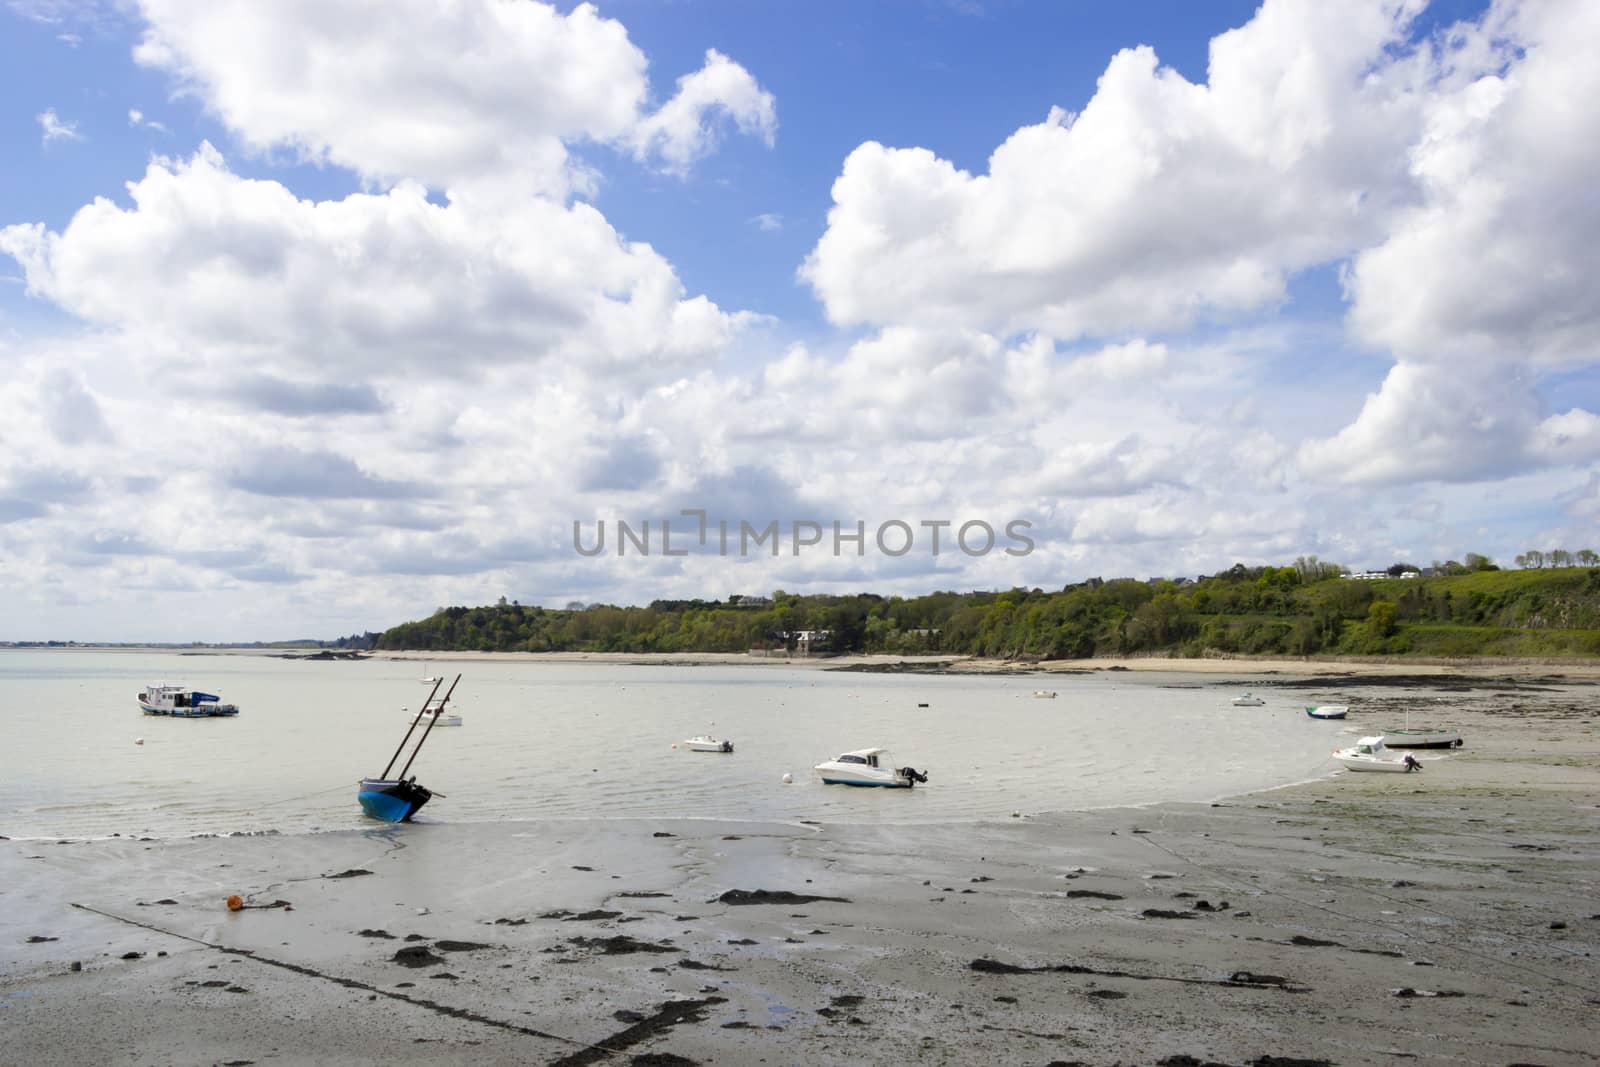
column 355, row 983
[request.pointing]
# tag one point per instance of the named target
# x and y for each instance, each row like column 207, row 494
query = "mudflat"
column 1451, row 916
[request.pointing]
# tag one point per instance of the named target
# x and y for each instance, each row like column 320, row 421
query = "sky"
column 315, row 318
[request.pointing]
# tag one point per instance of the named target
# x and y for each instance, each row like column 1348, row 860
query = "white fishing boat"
column 1369, row 754
column 181, row 702
column 1248, row 700
column 436, row 716
column 707, row 743
column 1045, row 694
column 868, row 766
column 1327, row 711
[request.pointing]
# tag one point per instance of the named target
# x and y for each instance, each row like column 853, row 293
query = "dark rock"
column 386, row 935
column 353, row 872
column 460, row 946
column 743, row 941
column 39, row 939
column 1107, row 994
column 416, row 956
column 132, row 955
column 1161, row 913
column 511, row 922
column 1080, row 894
column 773, row 896
column 661, row 833
column 1312, row 942
column 596, row 915
column 621, row 945
column 625, row 1015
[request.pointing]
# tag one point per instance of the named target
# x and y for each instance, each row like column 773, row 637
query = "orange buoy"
column 235, row 902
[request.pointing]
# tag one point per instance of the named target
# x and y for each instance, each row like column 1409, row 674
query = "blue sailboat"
column 398, row 799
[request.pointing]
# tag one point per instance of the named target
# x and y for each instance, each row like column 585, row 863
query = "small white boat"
column 1248, row 700
column 1369, row 754
column 447, row 718
column 707, row 743
column 183, row 703
column 1045, row 694
column 868, row 766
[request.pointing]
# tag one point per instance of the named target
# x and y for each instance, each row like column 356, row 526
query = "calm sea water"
column 543, row 740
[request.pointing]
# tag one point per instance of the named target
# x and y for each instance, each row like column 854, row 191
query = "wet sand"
column 1243, row 666
column 1447, row 917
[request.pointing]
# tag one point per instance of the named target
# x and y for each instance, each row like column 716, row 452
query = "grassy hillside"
column 1258, row 611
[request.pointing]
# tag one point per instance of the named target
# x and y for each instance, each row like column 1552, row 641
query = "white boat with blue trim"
column 181, row 702
column 870, row 767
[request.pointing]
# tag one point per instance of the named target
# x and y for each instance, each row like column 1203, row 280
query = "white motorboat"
column 439, row 718
column 1369, row 754
column 1045, row 694
column 707, row 743
column 183, row 703
column 868, row 766
column 1248, row 700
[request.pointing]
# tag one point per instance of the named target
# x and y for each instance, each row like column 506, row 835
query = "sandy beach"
column 1451, row 916
column 1309, row 667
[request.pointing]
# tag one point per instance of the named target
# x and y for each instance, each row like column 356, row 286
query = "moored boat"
column 1045, row 694
column 707, row 743
column 1248, row 700
column 1369, row 754
column 1327, row 711
column 181, row 702
column 441, row 718
column 1422, row 739
column 397, row 799
column 868, row 767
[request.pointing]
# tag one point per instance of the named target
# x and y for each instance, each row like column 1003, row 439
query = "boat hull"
column 1355, row 763
column 1329, row 712
column 1422, row 739
column 392, row 800
column 899, row 784
column 204, row 711
column 708, row 746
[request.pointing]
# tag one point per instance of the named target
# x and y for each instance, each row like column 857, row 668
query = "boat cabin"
column 1370, row 746
column 866, row 756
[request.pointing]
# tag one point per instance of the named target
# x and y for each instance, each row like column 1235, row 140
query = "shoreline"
column 1554, row 668
column 956, row 664
column 1447, row 916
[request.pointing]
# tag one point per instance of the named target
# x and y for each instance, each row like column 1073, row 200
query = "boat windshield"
column 850, row 759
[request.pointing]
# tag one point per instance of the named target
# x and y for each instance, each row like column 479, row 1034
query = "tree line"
column 1300, row 609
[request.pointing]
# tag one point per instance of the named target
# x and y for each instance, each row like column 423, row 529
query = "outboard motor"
column 913, row 775
column 727, row 746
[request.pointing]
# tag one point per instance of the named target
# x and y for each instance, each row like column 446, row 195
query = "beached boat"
column 1408, row 738
column 1327, row 711
column 1369, row 754
column 868, row 766
column 1248, row 700
column 183, row 703
column 397, row 799
column 1422, row 739
column 707, row 743
column 1045, row 694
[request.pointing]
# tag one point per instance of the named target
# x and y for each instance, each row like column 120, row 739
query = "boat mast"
column 432, row 722
column 420, row 713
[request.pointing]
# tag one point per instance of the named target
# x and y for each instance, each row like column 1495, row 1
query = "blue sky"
column 382, row 298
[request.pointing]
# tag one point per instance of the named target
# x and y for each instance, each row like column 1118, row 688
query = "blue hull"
column 1335, row 715
column 392, row 801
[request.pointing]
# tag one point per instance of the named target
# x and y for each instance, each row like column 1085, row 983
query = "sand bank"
column 1241, row 666
column 1450, row 916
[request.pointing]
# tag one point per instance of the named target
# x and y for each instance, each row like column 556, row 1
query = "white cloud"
column 477, row 95
column 1501, row 260
column 768, row 222
column 680, row 132
column 226, row 269
column 55, row 128
column 1161, row 202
